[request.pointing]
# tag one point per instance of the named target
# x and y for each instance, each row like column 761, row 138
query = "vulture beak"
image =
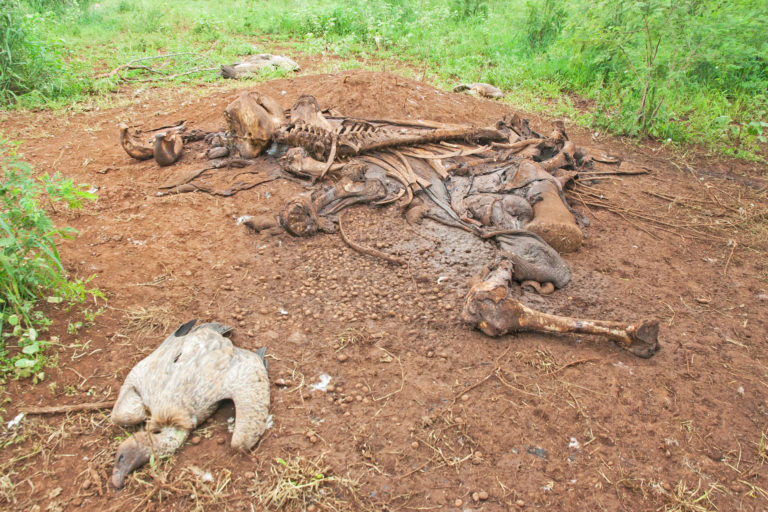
column 131, row 455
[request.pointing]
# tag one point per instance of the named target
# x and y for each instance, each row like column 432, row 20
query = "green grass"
column 690, row 71
column 31, row 272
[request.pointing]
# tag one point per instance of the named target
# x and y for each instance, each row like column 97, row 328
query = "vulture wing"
column 247, row 384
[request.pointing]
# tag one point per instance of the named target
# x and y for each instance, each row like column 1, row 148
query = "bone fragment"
column 253, row 119
column 489, row 307
column 368, row 250
column 132, row 146
column 481, row 89
column 297, row 161
column 168, row 147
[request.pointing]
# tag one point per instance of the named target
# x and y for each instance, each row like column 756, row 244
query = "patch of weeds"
column 683, row 499
column 295, row 484
column 30, row 266
column 147, row 321
column 351, row 336
column 762, row 446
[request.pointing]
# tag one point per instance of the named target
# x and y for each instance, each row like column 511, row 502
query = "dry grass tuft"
column 351, row 336
column 762, row 447
column 148, row 321
column 683, row 499
column 299, row 483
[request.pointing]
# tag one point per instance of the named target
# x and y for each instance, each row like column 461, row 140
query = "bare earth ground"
column 548, row 422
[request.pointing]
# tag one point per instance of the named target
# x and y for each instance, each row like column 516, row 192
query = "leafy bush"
column 543, row 24
column 26, row 63
column 30, row 267
column 669, row 69
column 32, row 64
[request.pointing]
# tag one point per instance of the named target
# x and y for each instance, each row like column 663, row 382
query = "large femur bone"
column 489, row 307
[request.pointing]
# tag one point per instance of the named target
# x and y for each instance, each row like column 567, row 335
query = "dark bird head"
column 162, row 437
column 133, row 453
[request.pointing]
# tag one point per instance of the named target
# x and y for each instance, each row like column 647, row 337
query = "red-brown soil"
column 548, row 422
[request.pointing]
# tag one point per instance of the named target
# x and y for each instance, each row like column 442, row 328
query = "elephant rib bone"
column 368, row 250
column 393, row 172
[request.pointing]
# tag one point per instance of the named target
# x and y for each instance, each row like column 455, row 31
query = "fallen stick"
column 368, row 250
column 614, row 173
column 132, row 62
column 62, row 409
column 177, row 75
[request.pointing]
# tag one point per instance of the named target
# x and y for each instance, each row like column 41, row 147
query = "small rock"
column 458, row 503
column 464, row 398
column 342, row 357
column 483, row 495
column 195, row 440
column 520, row 503
column 297, row 337
column 221, row 440
column 475, row 496
column 414, row 445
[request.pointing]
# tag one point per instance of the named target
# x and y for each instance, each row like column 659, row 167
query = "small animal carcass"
column 179, row 385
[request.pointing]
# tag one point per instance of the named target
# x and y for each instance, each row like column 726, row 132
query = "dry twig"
column 62, row 409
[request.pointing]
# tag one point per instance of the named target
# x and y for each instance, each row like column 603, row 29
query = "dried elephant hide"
column 308, row 214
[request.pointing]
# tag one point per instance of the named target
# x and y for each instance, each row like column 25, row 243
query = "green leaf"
column 13, row 320
column 54, row 300
column 281, row 461
column 24, row 363
column 32, row 334
column 32, row 348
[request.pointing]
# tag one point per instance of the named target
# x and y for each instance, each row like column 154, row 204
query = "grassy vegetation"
column 685, row 71
column 30, row 269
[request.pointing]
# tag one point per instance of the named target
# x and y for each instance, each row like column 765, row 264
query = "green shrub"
column 30, row 267
column 27, row 64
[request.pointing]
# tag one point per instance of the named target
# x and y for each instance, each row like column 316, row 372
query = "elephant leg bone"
column 489, row 307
